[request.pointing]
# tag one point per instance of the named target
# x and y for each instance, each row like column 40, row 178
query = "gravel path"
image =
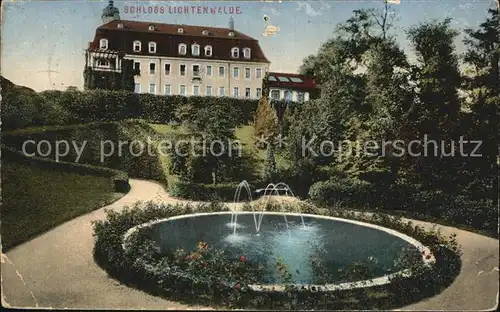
column 57, row 270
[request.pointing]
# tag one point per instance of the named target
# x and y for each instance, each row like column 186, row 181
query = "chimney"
column 231, row 23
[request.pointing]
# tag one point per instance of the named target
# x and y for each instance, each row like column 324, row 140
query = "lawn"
column 35, row 200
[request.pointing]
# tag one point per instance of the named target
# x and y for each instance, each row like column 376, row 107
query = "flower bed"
column 208, row 276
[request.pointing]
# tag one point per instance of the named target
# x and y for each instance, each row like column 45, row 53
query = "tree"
column 271, row 170
column 266, row 121
column 436, row 110
column 483, row 88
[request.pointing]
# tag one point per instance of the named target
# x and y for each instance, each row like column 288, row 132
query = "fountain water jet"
column 273, row 188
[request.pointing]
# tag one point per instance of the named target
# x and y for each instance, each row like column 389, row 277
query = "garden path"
column 57, row 270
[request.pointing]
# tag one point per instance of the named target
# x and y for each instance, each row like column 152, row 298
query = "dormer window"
column 120, row 25
column 235, row 52
column 182, row 49
column 208, row 50
column 195, row 49
column 205, row 32
column 180, row 30
column 152, row 47
column 246, row 53
column 151, row 28
column 231, row 34
column 103, row 44
column 137, row 46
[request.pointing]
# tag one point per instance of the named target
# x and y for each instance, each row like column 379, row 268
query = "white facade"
column 203, row 77
column 288, row 94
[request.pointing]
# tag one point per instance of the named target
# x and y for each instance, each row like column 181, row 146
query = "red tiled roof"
column 307, row 82
column 168, row 39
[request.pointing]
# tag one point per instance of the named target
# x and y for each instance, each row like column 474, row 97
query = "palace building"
column 175, row 59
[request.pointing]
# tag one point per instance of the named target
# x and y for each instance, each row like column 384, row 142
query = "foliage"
column 271, row 170
column 24, row 107
column 100, row 139
column 266, row 121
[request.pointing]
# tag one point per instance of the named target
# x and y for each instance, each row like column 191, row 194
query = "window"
column 103, row 44
column 236, row 72
column 151, row 28
column 205, row 32
column 195, row 49
column 137, row 88
column 208, row 50
column 300, row 97
column 152, row 88
column 182, row 49
column 283, row 79
column 235, row 52
column 247, row 92
column 247, row 73
column 180, row 30
column 288, row 96
column 209, row 90
column 271, row 78
column 102, row 63
column 137, row 46
column 196, row 90
column 167, row 89
column 167, row 69
column 236, row 92
column 221, row 71
column 209, row 70
column 196, row 70
column 296, row 79
column 275, row 94
column 222, row 92
column 246, row 53
column 152, row 68
column 120, row 25
column 259, row 93
column 258, row 73
column 182, row 89
column 182, row 69
column 137, row 66
column 152, row 47
column 231, row 34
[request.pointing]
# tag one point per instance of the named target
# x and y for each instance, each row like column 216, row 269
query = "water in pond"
column 334, row 244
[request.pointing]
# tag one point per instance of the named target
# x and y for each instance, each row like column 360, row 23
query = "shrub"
column 200, row 191
column 351, row 191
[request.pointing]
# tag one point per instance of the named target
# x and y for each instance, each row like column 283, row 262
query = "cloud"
column 308, row 9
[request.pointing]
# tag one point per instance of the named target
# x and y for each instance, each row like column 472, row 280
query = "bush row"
column 22, row 108
column 454, row 209
column 137, row 267
column 91, row 137
column 118, row 178
column 206, row 192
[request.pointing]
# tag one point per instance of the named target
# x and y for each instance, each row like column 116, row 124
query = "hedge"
column 206, row 192
column 139, row 267
column 142, row 166
column 119, row 178
column 22, row 109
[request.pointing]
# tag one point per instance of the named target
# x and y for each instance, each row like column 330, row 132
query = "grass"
column 35, row 200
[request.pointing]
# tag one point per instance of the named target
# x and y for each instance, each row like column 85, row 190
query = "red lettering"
column 162, row 9
column 212, row 10
column 186, row 10
column 238, row 10
column 199, row 10
column 231, row 10
column 205, row 10
column 125, row 9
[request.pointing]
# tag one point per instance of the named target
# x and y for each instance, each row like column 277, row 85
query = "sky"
column 44, row 42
